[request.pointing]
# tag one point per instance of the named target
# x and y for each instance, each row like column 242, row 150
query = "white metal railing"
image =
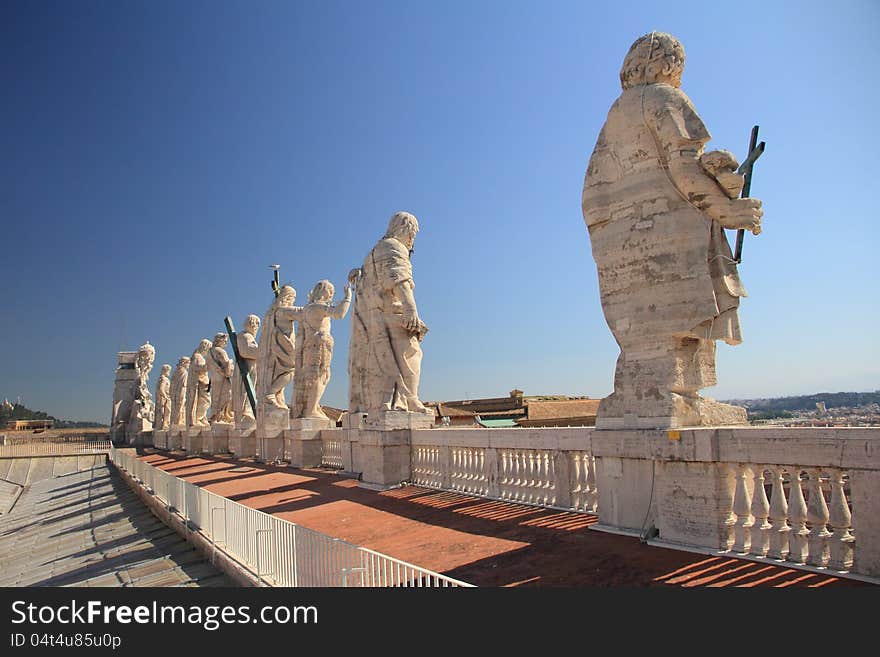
column 46, row 448
column 280, row 552
column 331, row 453
column 806, row 520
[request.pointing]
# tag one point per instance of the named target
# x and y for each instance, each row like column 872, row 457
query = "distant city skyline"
column 160, row 156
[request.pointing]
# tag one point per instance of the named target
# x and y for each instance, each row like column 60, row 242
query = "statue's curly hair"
column 654, row 57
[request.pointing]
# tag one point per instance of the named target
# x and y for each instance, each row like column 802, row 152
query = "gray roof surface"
column 87, row 528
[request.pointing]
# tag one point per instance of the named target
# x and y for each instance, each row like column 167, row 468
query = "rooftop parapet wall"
column 561, row 438
column 842, row 447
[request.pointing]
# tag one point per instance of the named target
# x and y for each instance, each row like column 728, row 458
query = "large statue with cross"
column 656, row 207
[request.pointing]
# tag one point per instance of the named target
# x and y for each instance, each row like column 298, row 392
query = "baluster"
column 575, row 459
column 591, row 483
column 532, row 490
column 760, row 510
column 817, row 516
column 518, row 482
column 541, row 477
column 728, row 517
column 741, row 507
column 797, row 516
column 456, row 468
column 779, row 528
column 840, row 518
column 502, row 484
column 551, row 478
column 484, row 475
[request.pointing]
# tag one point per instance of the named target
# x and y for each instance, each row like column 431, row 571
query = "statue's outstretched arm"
column 340, row 309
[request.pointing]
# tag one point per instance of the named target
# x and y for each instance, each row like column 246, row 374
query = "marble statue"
column 163, row 400
column 314, row 349
column 221, row 368
column 656, row 208
column 248, row 350
column 178, row 392
column 125, row 388
column 198, row 394
column 276, row 362
column 143, row 407
column 385, row 354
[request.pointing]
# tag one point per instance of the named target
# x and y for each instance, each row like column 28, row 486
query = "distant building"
column 452, row 416
column 516, row 410
column 335, row 414
column 29, row 425
column 560, row 413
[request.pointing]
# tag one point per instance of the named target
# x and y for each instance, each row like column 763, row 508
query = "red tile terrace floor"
column 484, row 542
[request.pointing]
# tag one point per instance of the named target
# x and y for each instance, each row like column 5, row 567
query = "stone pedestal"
column 274, row 420
column 270, row 448
column 396, row 420
column 143, row 439
column 175, row 438
column 667, row 483
column 303, row 446
column 674, row 412
column 193, row 440
column 243, row 443
column 160, row 439
column 218, row 442
column 381, row 457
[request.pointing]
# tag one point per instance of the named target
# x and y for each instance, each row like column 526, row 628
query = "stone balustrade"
column 795, row 523
column 801, row 496
column 547, row 467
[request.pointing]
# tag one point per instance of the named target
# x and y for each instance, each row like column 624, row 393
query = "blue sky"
column 158, row 156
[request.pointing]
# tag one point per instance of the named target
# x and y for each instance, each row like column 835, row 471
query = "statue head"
column 145, row 356
column 183, row 362
column 322, row 292
column 286, row 296
column 403, row 226
column 220, row 339
column 166, row 370
column 203, row 347
column 654, row 57
column 251, row 324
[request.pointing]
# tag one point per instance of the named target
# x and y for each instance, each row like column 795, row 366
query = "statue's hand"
column 745, row 213
column 353, row 276
column 411, row 321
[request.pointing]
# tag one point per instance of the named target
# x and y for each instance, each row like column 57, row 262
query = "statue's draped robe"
column 384, row 358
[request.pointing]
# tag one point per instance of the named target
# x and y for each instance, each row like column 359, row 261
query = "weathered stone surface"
column 276, row 362
column 243, row 443
column 248, row 350
column 270, row 449
column 314, row 349
column 163, row 400
column 221, row 368
column 133, row 407
column 178, row 392
column 656, row 207
column 385, row 352
column 198, row 396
